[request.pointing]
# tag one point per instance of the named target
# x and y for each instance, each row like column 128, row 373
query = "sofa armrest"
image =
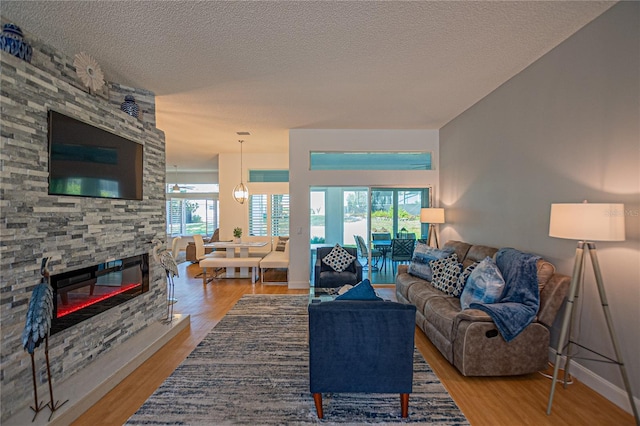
column 552, row 297
column 473, row 315
column 318, row 268
column 358, row 266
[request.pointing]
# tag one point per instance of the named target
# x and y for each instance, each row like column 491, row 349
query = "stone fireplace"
column 75, row 232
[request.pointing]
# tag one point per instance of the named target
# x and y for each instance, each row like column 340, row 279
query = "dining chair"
column 381, row 236
column 363, row 252
column 406, row 235
column 174, row 247
column 382, row 241
column 401, row 251
column 200, row 252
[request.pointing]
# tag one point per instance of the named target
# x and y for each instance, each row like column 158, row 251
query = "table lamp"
column 585, row 223
column 432, row 216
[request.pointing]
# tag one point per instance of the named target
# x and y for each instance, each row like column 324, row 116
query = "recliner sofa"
column 469, row 339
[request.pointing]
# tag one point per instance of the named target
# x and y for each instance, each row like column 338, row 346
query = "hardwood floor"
column 484, row 400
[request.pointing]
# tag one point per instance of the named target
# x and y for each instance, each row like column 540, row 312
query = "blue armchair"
column 326, row 277
column 361, row 346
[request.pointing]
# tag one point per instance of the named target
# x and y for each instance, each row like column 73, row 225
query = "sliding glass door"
column 397, row 210
column 339, row 214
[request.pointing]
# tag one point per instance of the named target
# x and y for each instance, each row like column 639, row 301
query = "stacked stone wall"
column 74, row 231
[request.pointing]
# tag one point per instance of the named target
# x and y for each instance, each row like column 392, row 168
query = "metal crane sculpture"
column 36, row 330
column 165, row 258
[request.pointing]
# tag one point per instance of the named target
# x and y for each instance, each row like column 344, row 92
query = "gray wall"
column 73, row 231
column 563, row 130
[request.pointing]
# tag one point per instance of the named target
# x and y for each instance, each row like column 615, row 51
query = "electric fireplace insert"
column 81, row 294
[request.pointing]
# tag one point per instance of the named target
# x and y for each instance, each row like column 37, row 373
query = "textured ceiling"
column 267, row 67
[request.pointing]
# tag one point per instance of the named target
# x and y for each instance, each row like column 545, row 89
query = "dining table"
column 236, row 249
column 384, row 246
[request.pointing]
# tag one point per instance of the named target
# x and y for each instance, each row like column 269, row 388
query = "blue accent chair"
column 361, row 346
column 325, row 277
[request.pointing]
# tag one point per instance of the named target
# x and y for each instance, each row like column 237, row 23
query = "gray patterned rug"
column 252, row 369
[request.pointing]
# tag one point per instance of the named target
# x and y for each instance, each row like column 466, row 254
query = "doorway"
column 339, row 214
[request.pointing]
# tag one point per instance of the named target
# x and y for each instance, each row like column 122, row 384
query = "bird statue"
column 36, row 330
column 166, row 260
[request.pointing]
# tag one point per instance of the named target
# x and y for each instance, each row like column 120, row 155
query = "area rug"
column 252, row 369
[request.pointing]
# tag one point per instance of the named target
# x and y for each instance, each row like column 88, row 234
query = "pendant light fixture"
column 176, row 187
column 241, row 192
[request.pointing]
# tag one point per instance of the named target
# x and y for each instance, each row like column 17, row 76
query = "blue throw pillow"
column 484, row 285
column 361, row 291
column 422, row 255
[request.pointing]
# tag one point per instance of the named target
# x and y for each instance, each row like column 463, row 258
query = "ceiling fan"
column 176, row 187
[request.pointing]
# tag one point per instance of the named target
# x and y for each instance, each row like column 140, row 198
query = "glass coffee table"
column 321, row 294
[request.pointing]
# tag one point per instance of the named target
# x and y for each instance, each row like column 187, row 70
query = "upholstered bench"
column 230, row 262
column 276, row 260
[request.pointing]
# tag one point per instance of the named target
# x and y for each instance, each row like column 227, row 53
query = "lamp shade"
column 432, row 215
column 587, row 221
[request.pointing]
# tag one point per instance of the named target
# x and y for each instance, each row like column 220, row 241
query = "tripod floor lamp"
column 432, row 216
column 586, row 223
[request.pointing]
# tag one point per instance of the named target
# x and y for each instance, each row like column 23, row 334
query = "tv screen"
column 86, row 161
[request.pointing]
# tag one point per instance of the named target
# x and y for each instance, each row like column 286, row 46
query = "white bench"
column 276, row 260
column 230, row 262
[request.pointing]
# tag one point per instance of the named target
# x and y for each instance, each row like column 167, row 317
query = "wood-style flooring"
column 484, row 400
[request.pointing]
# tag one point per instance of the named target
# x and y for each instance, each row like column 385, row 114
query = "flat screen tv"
column 86, row 161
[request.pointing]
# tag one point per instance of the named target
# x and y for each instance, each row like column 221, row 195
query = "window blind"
column 279, row 215
column 258, row 215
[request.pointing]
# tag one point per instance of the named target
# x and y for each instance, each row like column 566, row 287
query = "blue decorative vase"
column 130, row 106
column 11, row 42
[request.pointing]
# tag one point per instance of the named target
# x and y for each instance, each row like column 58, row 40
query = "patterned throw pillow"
column 485, row 284
column 338, row 259
column 282, row 242
column 446, row 273
column 422, row 255
column 464, row 276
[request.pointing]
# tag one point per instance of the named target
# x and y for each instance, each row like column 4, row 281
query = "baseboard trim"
column 86, row 387
column 613, row 393
column 299, row 284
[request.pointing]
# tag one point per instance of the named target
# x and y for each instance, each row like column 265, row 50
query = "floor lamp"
column 432, row 216
column 586, row 223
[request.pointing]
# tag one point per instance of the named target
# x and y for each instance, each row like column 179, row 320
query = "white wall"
column 563, row 130
column 302, row 142
column 232, row 213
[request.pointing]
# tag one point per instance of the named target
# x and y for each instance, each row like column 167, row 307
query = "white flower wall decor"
column 89, row 72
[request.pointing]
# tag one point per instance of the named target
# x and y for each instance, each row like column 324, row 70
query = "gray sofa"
column 468, row 338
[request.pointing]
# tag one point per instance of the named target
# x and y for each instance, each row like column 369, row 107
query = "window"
column 317, row 219
column 258, row 215
column 279, row 215
column 326, row 160
column 268, row 175
column 268, row 219
column 191, row 216
column 398, row 210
